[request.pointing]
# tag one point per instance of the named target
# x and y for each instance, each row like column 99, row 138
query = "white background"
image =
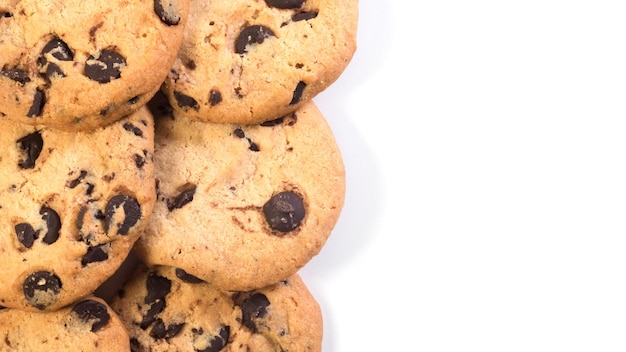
column 485, row 149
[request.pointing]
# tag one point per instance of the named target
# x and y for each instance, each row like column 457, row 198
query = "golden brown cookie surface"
column 72, row 204
column 251, row 61
column 77, row 65
column 243, row 206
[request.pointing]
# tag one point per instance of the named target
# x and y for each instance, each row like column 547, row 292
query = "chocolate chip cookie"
column 167, row 309
column 72, row 204
column 242, row 206
column 88, row 325
column 78, row 65
column 247, row 62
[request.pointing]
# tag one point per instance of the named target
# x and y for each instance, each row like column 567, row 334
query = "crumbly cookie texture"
column 88, row 325
column 76, row 65
column 72, row 204
column 248, row 61
column 167, row 309
column 243, row 206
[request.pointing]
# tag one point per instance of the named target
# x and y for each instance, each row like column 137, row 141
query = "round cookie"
column 87, row 325
column 72, row 204
column 166, row 309
column 243, row 206
column 76, row 65
column 247, row 61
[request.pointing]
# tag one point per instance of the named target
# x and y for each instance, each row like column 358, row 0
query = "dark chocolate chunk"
column 75, row 182
column 254, row 34
column 106, row 67
column 215, row 97
column 297, row 93
column 140, row 160
column 185, row 196
column 167, row 12
column 160, row 331
column 18, row 75
column 58, row 49
column 31, row 145
column 95, row 254
column 238, row 132
column 304, row 16
column 26, row 234
column 151, row 315
column 134, row 129
column 93, row 312
column 218, row 342
column 53, row 70
column 132, row 213
column 38, row 102
column 41, row 283
column 186, row 277
column 158, row 287
column 253, row 146
column 184, row 101
column 284, row 211
column 253, row 308
column 53, row 223
column 273, row 122
column 285, row 4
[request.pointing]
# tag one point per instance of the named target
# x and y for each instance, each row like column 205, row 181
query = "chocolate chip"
column 297, row 93
column 160, row 331
column 253, row 308
column 16, row 74
column 38, row 102
column 58, row 49
column 139, row 160
column 185, row 101
column 284, row 211
column 218, row 342
column 158, row 287
column 75, row 182
column 106, row 67
column 95, row 254
column 186, row 277
column 274, row 122
column 26, row 234
column 238, row 132
column 93, row 312
column 31, row 145
column 253, row 146
column 132, row 213
column 53, row 70
column 155, row 308
column 254, row 34
column 215, row 97
column 167, row 12
column 285, row 4
column 304, row 16
column 185, row 196
column 53, row 223
column 41, row 288
column 134, row 129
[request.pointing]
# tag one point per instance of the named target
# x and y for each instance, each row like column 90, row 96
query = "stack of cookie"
column 166, row 173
